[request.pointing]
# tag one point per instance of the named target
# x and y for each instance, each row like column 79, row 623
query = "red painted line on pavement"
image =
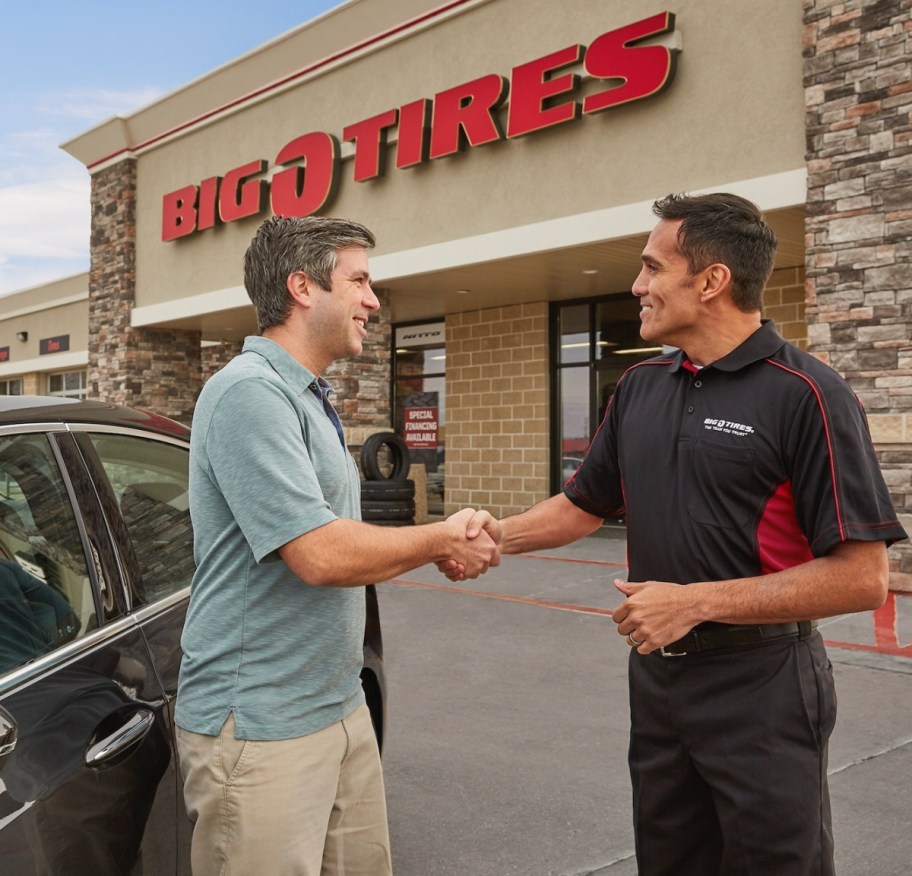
column 886, row 631
column 571, row 560
column 885, row 618
column 896, row 651
column 505, row 597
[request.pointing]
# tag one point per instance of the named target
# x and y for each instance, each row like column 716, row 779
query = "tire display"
column 387, row 491
column 387, row 496
column 391, row 522
column 396, row 450
column 388, row 510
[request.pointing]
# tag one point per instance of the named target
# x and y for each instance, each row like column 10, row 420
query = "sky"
column 64, row 68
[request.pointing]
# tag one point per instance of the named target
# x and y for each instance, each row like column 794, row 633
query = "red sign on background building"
column 420, row 426
column 60, row 344
column 4, row 354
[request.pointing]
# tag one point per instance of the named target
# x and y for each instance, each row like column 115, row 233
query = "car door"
column 87, row 778
column 141, row 480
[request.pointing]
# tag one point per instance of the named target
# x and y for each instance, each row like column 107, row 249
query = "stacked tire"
column 387, row 495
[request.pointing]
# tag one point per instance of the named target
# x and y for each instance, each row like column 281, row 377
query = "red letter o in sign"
column 305, row 188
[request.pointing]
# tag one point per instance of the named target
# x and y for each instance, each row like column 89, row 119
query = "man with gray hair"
column 280, row 764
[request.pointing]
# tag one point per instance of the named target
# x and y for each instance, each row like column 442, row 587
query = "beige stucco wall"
column 48, row 311
column 735, row 111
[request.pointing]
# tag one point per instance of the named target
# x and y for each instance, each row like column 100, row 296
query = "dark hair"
column 283, row 245
column 726, row 229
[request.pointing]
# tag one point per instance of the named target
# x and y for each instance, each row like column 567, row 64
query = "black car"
column 96, row 560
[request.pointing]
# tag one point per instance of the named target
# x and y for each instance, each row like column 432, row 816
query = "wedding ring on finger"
column 633, row 642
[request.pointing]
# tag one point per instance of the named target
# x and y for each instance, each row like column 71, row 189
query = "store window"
column 69, row 384
column 47, row 596
column 594, row 342
column 11, row 387
column 419, row 403
column 150, row 482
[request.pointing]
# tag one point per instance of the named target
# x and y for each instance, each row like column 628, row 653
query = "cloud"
column 44, row 230
column 45, row 213
column 22, row 274
column 47, row 219
column 34, row 155
column 93, row 105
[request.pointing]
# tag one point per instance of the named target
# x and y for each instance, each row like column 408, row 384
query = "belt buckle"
column 666, row 653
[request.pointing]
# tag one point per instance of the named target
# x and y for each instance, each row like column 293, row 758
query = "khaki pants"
column 296, row 807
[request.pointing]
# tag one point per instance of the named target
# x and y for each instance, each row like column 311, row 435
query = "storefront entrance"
column 593, row 343
column 419, row 401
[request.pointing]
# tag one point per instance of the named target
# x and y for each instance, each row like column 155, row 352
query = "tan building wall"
column 53, row 310
column 50, row 310
column 783, row 301
column 624, row 155
column 498, row 416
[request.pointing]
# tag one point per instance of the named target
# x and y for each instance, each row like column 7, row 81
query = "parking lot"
column 506, row 750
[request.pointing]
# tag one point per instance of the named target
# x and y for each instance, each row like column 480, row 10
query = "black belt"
column 710, row 638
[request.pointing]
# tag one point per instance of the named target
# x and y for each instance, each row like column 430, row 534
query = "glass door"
column 419, row 401
column 593, row 343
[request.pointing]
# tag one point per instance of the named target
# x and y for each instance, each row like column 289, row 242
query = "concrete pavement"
column 508, row 723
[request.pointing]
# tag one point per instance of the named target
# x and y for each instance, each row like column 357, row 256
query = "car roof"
column 16, row 409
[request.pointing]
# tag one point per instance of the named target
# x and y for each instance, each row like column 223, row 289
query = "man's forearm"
column 349, row 553
column 853, row 577
column 551, row 523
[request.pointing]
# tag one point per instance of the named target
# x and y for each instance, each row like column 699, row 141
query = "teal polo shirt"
column 266, row 466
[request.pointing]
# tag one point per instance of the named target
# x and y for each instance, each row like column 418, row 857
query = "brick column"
column 156, row 369
column 858, row 96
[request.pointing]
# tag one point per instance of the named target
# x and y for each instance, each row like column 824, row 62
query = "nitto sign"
column 541, row 92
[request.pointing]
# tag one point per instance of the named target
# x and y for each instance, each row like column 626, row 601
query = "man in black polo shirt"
column 745, row 470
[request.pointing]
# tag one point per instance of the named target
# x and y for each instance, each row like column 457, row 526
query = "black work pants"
column 728, row 759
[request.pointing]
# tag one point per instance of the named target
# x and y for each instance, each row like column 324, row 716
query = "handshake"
column 475, row 539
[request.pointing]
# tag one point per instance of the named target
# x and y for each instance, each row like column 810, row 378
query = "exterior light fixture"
column 21, row 336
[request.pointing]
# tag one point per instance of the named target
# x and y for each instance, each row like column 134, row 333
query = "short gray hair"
column 284, row 245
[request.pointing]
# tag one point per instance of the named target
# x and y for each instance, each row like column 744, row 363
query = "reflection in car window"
column 149, row 480
column 46, row 597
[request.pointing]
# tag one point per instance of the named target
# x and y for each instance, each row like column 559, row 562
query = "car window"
column 149, row 480
column 46, row 596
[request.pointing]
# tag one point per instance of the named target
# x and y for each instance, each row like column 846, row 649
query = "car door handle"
column 139, row 725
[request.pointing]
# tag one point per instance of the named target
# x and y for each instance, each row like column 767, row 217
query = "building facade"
column 506, row 153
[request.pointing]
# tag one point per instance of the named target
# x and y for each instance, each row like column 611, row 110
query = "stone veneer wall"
column 858, row 95
column 214, row 357
column 362, row 383
column 497, row 408
column 362, row 396
column 157, row 369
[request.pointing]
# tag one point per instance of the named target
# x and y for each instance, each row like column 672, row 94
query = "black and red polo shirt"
column 753, row 464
